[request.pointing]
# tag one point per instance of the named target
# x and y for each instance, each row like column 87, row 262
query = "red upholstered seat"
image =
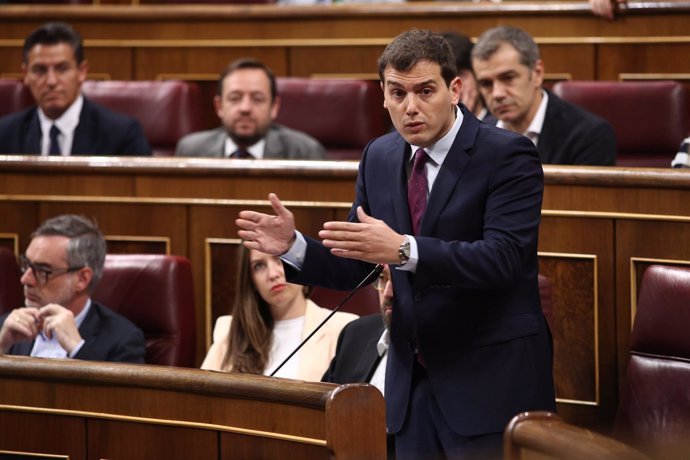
column 343, row 114
column 650, row 118
column 654, row 408
column 167, row 110
column 11, row 292
column 155, row 292
column 14, row 96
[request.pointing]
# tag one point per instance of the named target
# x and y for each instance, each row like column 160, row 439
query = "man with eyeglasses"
column 362, row 350
column 360, row 355
column 62, row 266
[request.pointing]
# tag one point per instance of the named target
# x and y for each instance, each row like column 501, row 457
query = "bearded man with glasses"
column 62, row 266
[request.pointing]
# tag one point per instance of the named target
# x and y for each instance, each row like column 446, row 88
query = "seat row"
column 342, row 114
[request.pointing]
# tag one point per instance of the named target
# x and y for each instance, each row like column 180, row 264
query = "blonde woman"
column 270, row 319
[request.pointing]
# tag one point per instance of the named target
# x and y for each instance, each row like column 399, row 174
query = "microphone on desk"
column 370, row 278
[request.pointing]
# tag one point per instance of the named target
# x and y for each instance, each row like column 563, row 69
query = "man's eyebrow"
column 430, row 82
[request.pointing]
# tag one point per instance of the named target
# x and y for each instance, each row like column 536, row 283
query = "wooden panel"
column 238, row 447
column 122, row 440
column 140, row 411
column 575, row 253
column 42, row 434
column 614, row 59
column 576, row 60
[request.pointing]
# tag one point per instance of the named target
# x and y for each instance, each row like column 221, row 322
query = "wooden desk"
column 81, row 410
column 601, row 227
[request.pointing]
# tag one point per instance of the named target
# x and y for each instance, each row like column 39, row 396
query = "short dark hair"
column 248, row 63
column 53, row 33
column 86, row 246
column 462, row 49
column 415, row 45
column 489, row 42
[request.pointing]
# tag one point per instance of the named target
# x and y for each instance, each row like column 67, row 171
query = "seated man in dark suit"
column 361, row 353
column 247, row 103
column 510, row 76
column 62, row 265
column 64, row 122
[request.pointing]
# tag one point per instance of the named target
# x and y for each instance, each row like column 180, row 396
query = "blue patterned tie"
column 241, row 153
column 54, row 148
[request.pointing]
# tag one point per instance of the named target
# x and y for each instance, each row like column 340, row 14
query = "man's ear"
column 218, row 105
column 83, row 70
column 84, row 277
column 384, row 95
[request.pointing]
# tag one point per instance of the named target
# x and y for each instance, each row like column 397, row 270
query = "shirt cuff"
column 76, row 349
column 297, row 252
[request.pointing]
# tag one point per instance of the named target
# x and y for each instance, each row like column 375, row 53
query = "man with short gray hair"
column 510, row 75
column 61, row 267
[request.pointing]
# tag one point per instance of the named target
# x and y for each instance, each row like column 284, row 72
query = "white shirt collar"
column 66, row 123
column 384, row 342
column 440, row 149
column 537, row 123
column 257, row 150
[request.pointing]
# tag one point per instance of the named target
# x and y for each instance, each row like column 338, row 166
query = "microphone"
column 367, row 280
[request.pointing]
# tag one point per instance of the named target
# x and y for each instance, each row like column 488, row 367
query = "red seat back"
column 14, row 96
column 167, row 110
column 155, row 292
column 650, row 118
column 344, row 114
column 654, row 408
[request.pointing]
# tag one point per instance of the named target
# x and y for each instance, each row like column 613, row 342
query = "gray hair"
column 86, row 246
column 489, row 42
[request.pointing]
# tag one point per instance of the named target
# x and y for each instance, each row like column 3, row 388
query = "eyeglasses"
column 42, row 273
column 381, row 282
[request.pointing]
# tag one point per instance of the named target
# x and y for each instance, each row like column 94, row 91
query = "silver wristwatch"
column 404, row 251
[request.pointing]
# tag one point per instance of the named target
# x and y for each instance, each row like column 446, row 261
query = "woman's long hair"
column 251, row 329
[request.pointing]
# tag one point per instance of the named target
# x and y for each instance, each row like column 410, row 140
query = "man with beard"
column 247, row 104
column 510, row 76
column 61, row 267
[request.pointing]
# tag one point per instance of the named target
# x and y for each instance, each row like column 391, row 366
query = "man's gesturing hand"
column 269, row 234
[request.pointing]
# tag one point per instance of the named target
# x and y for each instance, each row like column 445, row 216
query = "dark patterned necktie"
column 417, row 190
column 54, row 148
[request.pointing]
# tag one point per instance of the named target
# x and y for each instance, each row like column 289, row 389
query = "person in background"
column 462, row 49
column 606, row 8
column 362, row 350
column 247, row 104
column 455, row 204
column 271, row 317
column 64, row 122
column 61, row 268
column 510, row 75
column 682, row 158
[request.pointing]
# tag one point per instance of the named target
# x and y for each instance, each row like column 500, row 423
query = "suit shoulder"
column 116, row 320
column 572, row 114
column 16, row 119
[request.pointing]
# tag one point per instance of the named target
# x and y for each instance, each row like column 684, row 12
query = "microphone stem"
column 368, row 279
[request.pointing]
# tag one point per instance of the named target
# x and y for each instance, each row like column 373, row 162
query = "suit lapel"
column 549, row 138
column 397, row 181
column 368, row 361
column 81, row 144
column 33, row 137
column 452, row 168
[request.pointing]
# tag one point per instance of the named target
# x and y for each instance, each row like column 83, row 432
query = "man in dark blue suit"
column 64, row 122
column 469, row 345
column 62, row 265
column 510, row 75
